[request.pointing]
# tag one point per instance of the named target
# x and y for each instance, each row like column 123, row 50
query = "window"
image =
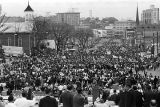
column 9, row 41
column 20, row 42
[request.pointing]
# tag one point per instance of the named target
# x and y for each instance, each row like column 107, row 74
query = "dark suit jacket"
column 67, row 99
column 126, row 99
column 148, row 96
column 158, row 99
column 78, row 100
column 114, row 98
column 48, row 102
column 138, row 97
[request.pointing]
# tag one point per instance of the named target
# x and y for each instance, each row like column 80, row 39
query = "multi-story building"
column 150, row 16
column 107, row 32
column 71, row 18
column 120, row 27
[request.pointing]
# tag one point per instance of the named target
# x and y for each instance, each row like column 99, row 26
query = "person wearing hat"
column 10, row 101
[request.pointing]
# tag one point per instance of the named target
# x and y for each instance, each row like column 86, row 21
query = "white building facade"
column 150, row 16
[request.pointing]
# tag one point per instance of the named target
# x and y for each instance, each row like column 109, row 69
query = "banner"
column 12, row 50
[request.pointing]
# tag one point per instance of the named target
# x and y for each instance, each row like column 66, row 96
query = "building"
column 150, row 16
column 71, row 18
column 18, row 34
column 120, row 27
column 29, row 13
column 103, row 32
column 0, row 9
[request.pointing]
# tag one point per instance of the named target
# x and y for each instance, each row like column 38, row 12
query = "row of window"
column 19, row 42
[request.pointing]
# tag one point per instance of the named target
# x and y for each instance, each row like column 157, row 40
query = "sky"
column 120, row 9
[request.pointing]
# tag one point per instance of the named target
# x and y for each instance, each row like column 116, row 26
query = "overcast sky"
column 121, row 9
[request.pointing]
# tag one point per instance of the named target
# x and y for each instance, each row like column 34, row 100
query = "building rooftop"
column 28, row 9
column 18, row 27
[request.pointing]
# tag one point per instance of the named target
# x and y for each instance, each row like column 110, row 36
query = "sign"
column 12, row 50
column 50, row 44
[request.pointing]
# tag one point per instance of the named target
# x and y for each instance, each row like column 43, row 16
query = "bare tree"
column 61, row 33
column 3, row 20
column 40, row 29
column 83, row 35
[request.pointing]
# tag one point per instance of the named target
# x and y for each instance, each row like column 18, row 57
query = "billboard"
column 12, row 50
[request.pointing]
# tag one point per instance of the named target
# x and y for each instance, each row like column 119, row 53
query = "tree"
column 83, row 35
column 61, row 33
column 41, row 29
column 3, row 20
column 110, row 20
column 3, row 28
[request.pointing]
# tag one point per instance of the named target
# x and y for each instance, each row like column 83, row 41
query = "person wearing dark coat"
column 48, row 101
column 114, row 97
column 79, row 100
column 66, row 97
column 95, row 91
column 158, row 97
column 126, row 98
column 148, row 96
column 138, row 97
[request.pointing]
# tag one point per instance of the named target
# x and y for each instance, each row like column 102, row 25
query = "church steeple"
column 28, row 13
column 137, row 16
column 28, row 8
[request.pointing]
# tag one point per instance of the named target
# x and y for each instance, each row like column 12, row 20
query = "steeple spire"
column 28, row 8
column 137, row 16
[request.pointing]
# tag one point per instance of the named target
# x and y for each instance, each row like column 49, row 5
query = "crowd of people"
column 73, row 78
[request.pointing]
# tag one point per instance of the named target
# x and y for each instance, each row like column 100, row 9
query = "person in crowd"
column 30, row 94
column 114, row 97
column 148, row 96
column 79, row 100
column 138, row 97
column 48, row 101
column 10, row 101
column 105, row 95
column 153, row 103
column 1, row 102
column 127, row 97
column 1, row 88
column 158, row 97
column 23, row 102
column 9, row 91
column 66, row 97
column 95, row 91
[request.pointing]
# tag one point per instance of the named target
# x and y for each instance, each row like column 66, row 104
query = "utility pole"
column 153, row 44
column 157, row 42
